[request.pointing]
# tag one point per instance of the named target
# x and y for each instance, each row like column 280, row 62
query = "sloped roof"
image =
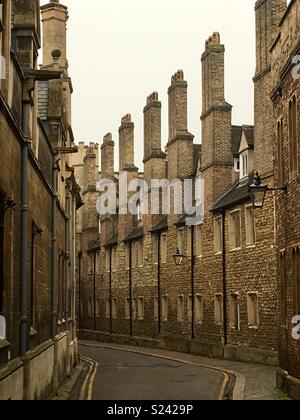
column 249, row 134
column 237, row 194
column 236, row 134
column 161, row 225
column 94, row 245
column 137, row 233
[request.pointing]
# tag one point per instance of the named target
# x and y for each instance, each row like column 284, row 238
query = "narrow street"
column 123, row 375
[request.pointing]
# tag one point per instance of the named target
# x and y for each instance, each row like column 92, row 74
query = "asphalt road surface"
column 122, row 375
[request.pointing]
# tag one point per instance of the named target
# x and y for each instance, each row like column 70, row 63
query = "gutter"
column 24, row 231
column 54, row 253
column 224, row 277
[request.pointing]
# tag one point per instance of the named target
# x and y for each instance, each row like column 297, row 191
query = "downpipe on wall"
column 24, row 230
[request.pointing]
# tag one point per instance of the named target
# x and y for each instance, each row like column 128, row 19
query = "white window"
column 199, row 309
column 219, row 308
column 253, row 311
column 114, row 308
column 218, row 235
column 141, row 309
column 156, row 309
column 180, row 240
column 107, row 308
column 180, row 308
column 164, row 248
column 190, row 307
column 134, row 308
column 165, row 308
column 244, row 165
column 234, row 314
column 199, row 241
column 127, row 308
column 3, row 328
column 250, row 226
column 235, row 230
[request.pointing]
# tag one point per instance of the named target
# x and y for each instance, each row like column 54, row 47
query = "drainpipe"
column 95, row 319
column 54, row 254
column 67, row 256
column 224, row 276
column 74, row 265
column 110, row 290
column 79, row 289
column 24, row 231
column 193, row 258
column 130, row 289
column 159, row 281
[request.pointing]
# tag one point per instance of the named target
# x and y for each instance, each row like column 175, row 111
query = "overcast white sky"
column 121, row 51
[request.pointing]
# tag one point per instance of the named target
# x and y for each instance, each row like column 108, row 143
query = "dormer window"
column 244, row 165
column 237, row 165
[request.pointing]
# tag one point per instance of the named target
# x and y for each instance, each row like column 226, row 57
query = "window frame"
column 219, row 311
column 234, row 234
column 251, row 209
column 180, row 308
column 255, row 315
column 293, row 138
column 218, row 240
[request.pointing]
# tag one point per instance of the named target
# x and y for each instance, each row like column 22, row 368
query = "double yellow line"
column 86, row 393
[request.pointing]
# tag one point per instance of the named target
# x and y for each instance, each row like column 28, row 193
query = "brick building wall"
column 38, row 345
column 235, row 290
column 285, row 87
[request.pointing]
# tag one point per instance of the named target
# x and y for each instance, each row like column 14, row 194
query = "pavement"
column 115, row 372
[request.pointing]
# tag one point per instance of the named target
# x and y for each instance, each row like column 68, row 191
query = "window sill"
column 33, row 332
column 236, row 249
column 219, row 324
column 218, row 253
column 4, row 344
column 250, row 246
column 253, row 327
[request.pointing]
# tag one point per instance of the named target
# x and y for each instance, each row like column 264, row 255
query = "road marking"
column 225, row 372
column 88, row 384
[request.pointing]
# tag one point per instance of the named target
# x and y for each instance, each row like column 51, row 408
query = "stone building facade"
column 286, row 126
column 223, row 300
column 39, row 197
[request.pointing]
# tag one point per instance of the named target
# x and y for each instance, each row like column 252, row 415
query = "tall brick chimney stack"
column 152, row 126
column 107, row 172
column 54, row 17
column 217, row 159
column 126, row 144
column 107, row 156
column 268, row 15
column 126, row 159
column 89, row 213
column 180, row 145
column 177, row 105
column 213, row 72
column 90, row 166
column 154, row 157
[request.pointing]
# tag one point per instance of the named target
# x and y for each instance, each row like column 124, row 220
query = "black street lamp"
column 178, row 257
column 258, row 192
